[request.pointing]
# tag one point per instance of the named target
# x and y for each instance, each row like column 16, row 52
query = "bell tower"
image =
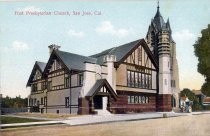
column 160, row 41
column 164, row 95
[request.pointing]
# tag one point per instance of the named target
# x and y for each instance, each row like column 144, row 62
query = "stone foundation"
column 122, row 106
column 164, row 103
column 84, row 107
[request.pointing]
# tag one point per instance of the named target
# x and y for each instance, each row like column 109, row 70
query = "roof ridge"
column 40, row 62
column 75, row 54
column 113, row 48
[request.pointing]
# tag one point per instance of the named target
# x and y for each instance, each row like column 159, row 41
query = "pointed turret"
column 158, row 19
column 168, row 25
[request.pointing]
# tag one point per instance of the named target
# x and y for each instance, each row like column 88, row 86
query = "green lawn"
column 10, row 120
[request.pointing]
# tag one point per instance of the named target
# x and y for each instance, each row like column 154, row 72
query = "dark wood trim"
column 89, row 62
column 89, row 71
column 138, row 66
column 33, row 72
column 147, row 50
column 53, row 56
column 38, row 92
column 102, row 93
column 62, row 105
column 70, row 92
column 56, row 71
column 135, row 87
column 64, row 88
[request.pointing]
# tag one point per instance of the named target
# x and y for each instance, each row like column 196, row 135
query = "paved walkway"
column 95, row 119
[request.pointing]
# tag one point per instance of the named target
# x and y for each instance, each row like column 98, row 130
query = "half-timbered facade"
column 124, row 79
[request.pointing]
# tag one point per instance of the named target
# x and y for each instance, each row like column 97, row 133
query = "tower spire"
column 158, row 5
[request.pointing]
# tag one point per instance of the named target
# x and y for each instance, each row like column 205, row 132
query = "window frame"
column 67, row 102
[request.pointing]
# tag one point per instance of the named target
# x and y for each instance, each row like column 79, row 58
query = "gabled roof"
column 77, row 62
column 37, row 66
column 74, row 61
column 123, row 51
column 98, row 85
column 71, row 61
column 41, row 65
column 119, row 52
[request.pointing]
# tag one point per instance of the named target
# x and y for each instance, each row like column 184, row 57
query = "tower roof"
column 158, row 19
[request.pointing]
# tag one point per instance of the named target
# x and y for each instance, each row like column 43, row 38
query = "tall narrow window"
column 150, row 82
column 147, row 99
column 132, row 99
column 136, row 99
column 139, row 54
column 32, row 102
column 35, row 104
column 49, row 85
column 45, row 101
column 42, row 101
column 132, row 78
column 80, row 79
column 146, row 81
column 128, row 78
column 142, row 80
column 44, row 85
column 143, row 99
column 129, row 99
column 67, row 82
column 66, row 101
column 136, row 79
column 140, row 83
column 140, row 100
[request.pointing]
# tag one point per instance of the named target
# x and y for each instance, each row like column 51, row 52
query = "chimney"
column 111, row 77
column 53, row 47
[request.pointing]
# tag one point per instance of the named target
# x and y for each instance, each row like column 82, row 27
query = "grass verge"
column 10, row 120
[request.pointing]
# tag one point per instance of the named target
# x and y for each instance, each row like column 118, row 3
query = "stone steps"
column 103, row 112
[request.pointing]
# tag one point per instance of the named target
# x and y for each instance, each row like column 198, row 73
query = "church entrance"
column 98, row 102
column 100, row 95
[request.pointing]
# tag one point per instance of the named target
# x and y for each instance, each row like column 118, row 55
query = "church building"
column 139, row 76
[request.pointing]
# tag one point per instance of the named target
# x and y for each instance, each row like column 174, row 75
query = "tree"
column 16, row 102
column 187, row 92
column 191, row 96
column 202, row 51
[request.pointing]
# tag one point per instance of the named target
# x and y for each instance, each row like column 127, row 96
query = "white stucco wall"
column 164, row 75
column 89, row 78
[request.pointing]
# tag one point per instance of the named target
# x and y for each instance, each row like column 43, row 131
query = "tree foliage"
column 187, row 92
column 16, row 102
column 192, row 97
column 202, row 52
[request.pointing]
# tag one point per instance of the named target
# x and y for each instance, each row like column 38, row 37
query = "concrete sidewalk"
column 97, row 119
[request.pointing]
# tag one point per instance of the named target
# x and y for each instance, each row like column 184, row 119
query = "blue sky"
column 25, row 38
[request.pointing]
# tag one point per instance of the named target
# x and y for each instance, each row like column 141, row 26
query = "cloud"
column 19, row 46
column 78, row 34
column 184, row 37
column 16, row 46
column 106, row 27
column 29, row 8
